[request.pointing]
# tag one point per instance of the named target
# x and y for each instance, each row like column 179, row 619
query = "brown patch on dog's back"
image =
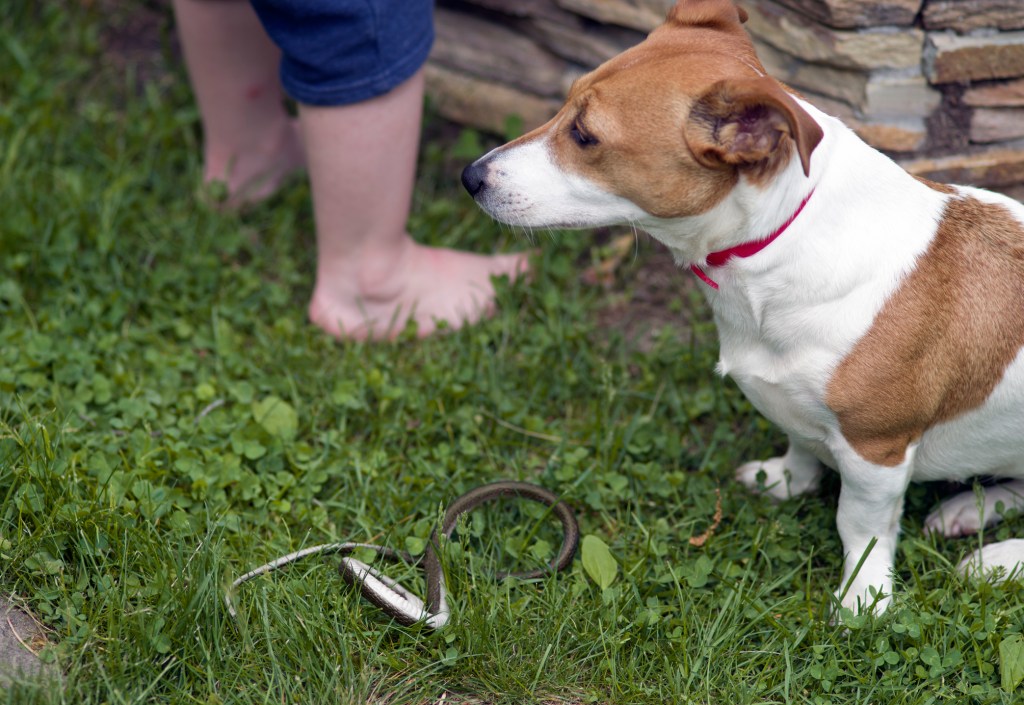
column 943, row 340
column 936, row 186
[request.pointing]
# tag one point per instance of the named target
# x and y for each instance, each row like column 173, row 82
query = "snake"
column 395, row 600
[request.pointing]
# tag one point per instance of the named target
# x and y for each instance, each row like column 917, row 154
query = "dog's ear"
column 744, row 122
column 706, row 13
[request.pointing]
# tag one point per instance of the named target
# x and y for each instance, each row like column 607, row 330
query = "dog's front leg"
column 868, row 518
column 797, row 472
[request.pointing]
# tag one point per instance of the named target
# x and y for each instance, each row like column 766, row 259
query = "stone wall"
column 937, row 84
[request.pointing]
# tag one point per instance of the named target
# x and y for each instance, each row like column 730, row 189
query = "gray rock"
column 484, row 104
column 950, row 58
column 21, row 637
column 848, row 14
column 965, row 15
column 489, row 51
column 993, row 168
column 999, row 95
column 522, row 8
column 895, row 136
column 881, row 95
column 643, row 15
column 997, row 124
column 586, row 48
column 790, row 32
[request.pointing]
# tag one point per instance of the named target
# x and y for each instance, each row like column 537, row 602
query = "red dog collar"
column 746, row 249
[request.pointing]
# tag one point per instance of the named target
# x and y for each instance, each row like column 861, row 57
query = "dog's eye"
column 580, row 137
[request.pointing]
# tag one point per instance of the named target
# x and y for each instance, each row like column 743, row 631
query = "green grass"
column 168, row 420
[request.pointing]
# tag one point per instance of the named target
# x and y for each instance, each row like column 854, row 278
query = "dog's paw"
column 957, row 516
column 963, row 514
column 996, row 562
column 773, row 478
column 765, row 477
column 866, row 594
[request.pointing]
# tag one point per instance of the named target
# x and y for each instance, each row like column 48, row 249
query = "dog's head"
column 664, row 130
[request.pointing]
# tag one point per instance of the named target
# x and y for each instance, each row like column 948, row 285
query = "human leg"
column 372, row 276
column 250, row 141
column 355, row 68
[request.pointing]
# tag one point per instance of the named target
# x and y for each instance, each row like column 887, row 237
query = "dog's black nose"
column 473, row 178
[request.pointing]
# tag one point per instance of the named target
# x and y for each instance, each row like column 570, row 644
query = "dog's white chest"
column 785, row 384
column 781, row 353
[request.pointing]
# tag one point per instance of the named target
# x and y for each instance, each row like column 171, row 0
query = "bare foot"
column 254, row 175
column 422, row 283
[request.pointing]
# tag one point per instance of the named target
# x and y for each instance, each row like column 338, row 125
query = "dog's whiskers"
column 636, row 240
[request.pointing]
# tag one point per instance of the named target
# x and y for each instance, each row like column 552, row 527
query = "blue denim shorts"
column 336, row 52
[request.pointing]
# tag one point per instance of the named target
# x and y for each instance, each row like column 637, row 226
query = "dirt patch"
column 21, row 639
column 648, row 295
column 138, row 40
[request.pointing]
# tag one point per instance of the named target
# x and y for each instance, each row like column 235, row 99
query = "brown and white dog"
column 877, row 318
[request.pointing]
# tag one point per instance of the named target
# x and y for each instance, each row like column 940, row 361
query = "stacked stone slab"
column 938, row 84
